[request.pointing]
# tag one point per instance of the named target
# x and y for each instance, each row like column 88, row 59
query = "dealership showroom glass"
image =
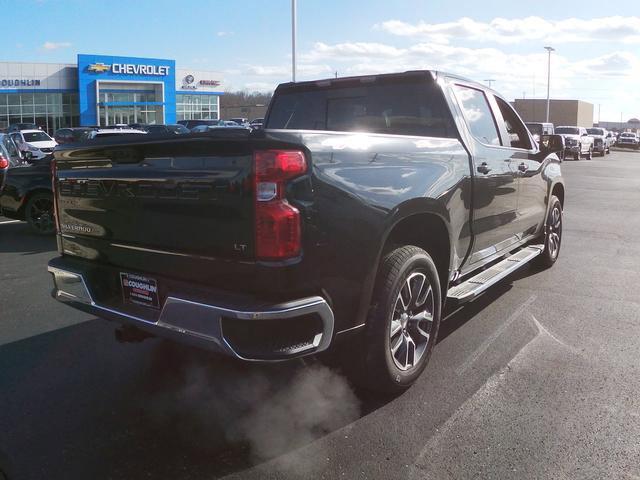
column 105, row 90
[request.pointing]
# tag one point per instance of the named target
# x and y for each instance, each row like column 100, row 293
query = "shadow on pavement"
column 18, row 238
column 76, row 404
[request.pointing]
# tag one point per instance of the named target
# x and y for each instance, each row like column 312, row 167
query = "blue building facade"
column 106, row 90
column 116, row 90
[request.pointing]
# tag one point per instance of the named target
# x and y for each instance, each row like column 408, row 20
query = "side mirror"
column 551, row 144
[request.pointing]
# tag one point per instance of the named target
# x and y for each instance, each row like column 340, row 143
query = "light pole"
column 489, row 81
column 293, row 40
column 549, row 50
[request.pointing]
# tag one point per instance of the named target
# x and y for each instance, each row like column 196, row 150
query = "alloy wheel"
column 412, row 321
column 41, row 214
column 554, row 232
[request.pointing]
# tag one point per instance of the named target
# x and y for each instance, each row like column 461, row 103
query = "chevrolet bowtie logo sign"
column 98, row 67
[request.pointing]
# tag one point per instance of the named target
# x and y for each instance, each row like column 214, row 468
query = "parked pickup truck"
column 362, row 207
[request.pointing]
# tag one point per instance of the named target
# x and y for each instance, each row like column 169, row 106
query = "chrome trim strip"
column 349, row 329
column 150, row 250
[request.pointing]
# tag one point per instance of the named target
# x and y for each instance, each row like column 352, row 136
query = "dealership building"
column 106, row 90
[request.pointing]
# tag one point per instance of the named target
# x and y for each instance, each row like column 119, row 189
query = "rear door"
column 495, row 190
column 532, row 187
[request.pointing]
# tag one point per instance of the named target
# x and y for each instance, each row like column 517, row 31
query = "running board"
column 474, row 286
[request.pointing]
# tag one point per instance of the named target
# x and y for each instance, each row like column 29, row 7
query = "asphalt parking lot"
column 539, row 378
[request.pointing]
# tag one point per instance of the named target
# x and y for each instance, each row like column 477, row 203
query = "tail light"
column 278, row 231
column 4, row 162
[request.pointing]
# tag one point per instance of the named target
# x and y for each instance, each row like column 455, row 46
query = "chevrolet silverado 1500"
column 363, row 207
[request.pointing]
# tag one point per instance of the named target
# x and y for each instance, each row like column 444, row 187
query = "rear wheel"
column 576, row 155
column 39, row 213
column 403, row 322
column 552, row 235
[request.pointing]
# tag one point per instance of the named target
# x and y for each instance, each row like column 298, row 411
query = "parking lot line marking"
column 492, row 338
column 10, row 221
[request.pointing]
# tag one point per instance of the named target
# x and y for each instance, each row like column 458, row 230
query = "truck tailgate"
column 192, row 196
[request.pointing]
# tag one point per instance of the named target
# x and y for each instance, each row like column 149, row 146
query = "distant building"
column 561, row 112
column 631, row 125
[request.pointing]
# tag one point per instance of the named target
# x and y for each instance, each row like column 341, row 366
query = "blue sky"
column 597, row 56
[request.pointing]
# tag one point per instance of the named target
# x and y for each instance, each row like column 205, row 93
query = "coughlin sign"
column 130, row 69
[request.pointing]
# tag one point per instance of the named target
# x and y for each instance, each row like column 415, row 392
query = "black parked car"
column 72, row 135
column 190, row 124
column 26, row 193
column 165, row 130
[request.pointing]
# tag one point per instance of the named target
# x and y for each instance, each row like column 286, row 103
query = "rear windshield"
column 36, row 137
column 568, row 130
column 403, row 107
column 595, row 131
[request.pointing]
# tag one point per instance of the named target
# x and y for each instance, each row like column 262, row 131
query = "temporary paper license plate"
column 140, row 290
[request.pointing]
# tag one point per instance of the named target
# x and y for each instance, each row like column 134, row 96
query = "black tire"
column 39, row 213
column 399, row 276
column 576, row 156
column 552, row 235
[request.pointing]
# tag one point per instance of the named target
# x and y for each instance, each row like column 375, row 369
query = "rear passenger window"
column 400, row 107
column 477, row 112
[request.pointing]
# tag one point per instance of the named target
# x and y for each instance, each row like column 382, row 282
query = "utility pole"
column 489, row 81
column 549, row 50
column 293, row 40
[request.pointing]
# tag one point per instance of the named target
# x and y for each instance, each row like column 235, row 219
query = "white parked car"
column 601, row 140
column 628, row 139
column 577, row 142
column 34, row 144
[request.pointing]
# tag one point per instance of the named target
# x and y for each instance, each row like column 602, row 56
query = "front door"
column 495, row 184
column 532, row 187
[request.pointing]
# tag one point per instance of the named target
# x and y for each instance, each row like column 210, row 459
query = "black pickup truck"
column 363, row 206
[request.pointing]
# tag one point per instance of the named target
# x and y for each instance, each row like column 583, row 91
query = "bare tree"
column 244, row 104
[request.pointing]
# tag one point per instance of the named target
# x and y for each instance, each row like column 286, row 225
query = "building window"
column 50, row 111
column 197, row 107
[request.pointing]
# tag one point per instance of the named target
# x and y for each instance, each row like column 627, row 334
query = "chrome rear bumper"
column 203, row 323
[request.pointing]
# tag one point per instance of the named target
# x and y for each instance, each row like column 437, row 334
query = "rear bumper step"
column 263, row 334
column 474, row 286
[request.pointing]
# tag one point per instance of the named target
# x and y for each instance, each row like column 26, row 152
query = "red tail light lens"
column 4, row 162
column 277, row 165
column 278, row 230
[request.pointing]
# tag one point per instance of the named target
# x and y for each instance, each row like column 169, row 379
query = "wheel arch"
column 428, row 231
column 558, row 190
column 29, row 194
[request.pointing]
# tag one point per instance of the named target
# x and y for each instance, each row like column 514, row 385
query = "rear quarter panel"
column 363, row 184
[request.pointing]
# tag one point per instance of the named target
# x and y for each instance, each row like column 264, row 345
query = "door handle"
column 523, row 167
column 484, row 168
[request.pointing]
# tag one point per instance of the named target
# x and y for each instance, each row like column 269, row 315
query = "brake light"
column 278, row 230
column 4, row 162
